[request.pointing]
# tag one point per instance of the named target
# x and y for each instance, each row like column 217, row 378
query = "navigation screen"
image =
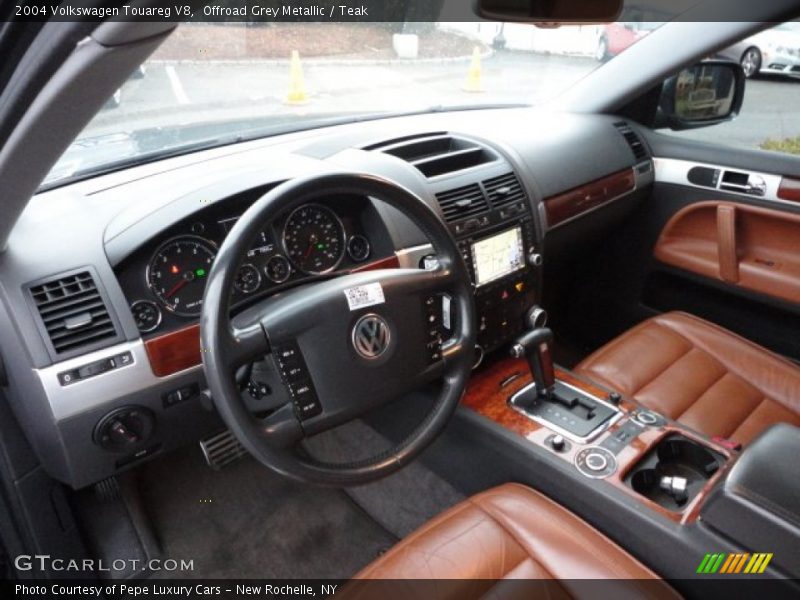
column 497, row 256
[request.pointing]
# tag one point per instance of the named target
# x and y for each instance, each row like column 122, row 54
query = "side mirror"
column 708, row 93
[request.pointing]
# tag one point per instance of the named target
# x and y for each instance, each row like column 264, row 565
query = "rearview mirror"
column 708, row 93
column 549, row 11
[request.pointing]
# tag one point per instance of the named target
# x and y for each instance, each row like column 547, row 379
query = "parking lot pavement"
column 192, row 92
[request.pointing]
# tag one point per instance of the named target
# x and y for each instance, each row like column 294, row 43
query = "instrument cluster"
column 312, row 240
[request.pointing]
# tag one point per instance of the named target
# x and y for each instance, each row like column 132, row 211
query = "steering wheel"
column 343, row 345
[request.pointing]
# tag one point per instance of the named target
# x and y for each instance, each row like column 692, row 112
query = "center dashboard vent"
column 74, row 314
column 471, row 200
column 504, row 190
column 634, row 141
column 437, row 154
column 463, row 202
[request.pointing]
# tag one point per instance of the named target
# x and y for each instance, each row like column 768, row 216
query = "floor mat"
column 246, row 522
column 401, row 502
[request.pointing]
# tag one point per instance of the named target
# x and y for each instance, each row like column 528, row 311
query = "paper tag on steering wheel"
column 362, row 296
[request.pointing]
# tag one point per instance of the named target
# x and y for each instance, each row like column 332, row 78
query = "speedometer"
column 313, row 237
column 177, row 274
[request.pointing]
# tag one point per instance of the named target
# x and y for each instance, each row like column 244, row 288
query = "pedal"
column 221, row 449
column 107, row 490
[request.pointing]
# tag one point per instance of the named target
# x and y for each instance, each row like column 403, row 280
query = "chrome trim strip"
column 555, row 428
column 81, row 396
column 675, row 171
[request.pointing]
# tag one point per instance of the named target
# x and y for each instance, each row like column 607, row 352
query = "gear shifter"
column 553, row 402
column 535, row 347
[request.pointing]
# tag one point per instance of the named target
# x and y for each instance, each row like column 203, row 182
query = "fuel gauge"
column 278, row 269
column 248, row 279
column 358, row 248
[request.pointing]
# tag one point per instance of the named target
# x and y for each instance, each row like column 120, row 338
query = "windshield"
column 216, row 83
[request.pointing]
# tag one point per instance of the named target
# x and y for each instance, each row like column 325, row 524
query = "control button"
column 258, row 390
column 596, row 461
column 288, row 354
column 172, row 398
column 180, row 395
column 615, row 398
column 306, row 401
column 647, row 418
column 68, row 377
column 96, row 368
column 121, row 434
column 558, row 443
column 294, row 373
column 124, row 359
column 124, row 429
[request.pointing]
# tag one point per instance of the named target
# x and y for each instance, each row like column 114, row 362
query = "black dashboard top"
column 113, row 221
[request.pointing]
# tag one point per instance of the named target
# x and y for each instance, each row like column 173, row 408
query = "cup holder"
column 674, row 472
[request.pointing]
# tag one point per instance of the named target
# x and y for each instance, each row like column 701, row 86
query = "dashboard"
column 164, row 280
column 101, row 286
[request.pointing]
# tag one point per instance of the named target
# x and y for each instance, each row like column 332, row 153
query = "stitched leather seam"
column 613, row 568
column 732, row 434
column 585, row 363
column 403, row 544
column 725, row 373
column 758, row 349
column 665, row 369
column 569, row 527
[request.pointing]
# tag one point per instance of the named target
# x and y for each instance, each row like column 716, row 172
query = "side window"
column 770, row 116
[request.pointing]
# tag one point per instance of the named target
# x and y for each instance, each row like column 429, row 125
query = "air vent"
column 504, row 190
column 73, row 313
column 437, row 154
column 462, row 202
column 634, row 141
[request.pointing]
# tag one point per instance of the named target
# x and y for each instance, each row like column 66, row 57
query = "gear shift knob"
column 535, row 347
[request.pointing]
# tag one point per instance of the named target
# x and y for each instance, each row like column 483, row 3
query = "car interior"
column 545, row 342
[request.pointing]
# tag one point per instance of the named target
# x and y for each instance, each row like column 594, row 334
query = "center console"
column 660, row 464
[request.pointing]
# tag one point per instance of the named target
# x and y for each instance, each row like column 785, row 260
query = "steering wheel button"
column 294, row 374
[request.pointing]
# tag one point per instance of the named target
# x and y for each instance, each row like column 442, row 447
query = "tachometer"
column 177, row 274
column 313, row 237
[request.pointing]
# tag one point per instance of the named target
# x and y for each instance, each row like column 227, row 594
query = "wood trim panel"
column 390, row 262
column 789, row 189
column 589, row 196
column 174, row 351
column 488, row 392
column 180, row 350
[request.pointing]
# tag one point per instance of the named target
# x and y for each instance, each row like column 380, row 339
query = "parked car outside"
column 775, row 51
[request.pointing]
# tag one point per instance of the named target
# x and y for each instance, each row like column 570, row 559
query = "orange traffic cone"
column 297, row 94
column 474, row 83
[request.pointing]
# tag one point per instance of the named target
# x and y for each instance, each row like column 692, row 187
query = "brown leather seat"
column 701, row 375
column 509, row 532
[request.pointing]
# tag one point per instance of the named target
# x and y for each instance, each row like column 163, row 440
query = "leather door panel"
column 757, row 249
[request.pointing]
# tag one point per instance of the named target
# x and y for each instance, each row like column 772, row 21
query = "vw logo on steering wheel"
column 371, row 336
